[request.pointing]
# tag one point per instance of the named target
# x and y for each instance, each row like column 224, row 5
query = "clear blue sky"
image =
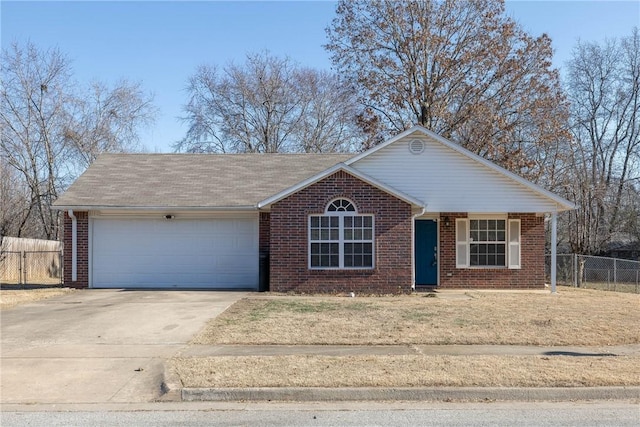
column 162, row 43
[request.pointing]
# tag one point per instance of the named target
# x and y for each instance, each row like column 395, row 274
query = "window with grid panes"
column 341, row 238
column 487, row 242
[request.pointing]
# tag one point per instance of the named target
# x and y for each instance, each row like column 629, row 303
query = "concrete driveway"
column 99, row 345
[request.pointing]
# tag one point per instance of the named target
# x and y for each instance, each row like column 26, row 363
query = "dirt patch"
column 572, row 317
column 408, row 371
column 13, row 297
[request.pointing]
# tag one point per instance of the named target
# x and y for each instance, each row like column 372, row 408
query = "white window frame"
column 341, row 240
column 513, row 244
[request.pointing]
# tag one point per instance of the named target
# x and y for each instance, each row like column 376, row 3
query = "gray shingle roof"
column 191, row 180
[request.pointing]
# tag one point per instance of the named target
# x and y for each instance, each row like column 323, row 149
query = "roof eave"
column 82, row 208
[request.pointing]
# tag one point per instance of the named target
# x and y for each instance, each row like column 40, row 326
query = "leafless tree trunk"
column 604, row 90
column 34, row 93
column 50, row 130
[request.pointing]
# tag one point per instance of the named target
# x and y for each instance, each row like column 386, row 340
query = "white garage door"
column 176, row 253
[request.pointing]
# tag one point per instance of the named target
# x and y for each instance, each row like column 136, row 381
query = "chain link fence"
column 595, row 272
column 31, row 268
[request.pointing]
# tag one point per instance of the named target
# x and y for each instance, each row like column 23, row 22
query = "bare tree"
column 327, row 118
column 460, row 68
column 267, row 104
column 49, row 124
column 604, row 90
column 14, row 202
column 107, row 119
column 34, row 94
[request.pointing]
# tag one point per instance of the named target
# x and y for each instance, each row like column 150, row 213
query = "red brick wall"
column 82, row 250
column 289, row 245
column 530, row 275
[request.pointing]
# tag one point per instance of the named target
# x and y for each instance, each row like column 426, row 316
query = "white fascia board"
column 561, row 203
column 155, row 208
column 341, row 167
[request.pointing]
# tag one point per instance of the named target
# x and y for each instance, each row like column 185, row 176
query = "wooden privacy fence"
column 30, row 262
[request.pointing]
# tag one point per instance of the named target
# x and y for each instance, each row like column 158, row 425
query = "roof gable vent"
column 416, row 146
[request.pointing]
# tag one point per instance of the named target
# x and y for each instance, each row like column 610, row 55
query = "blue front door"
column 426, row 252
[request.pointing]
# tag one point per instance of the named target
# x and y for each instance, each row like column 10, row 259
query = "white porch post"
column 74, row 246
column 554, row 243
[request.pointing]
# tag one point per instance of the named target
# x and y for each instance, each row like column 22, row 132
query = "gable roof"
column 190, row 181
column 341, row 167
column 250, row 181
column 561, row 202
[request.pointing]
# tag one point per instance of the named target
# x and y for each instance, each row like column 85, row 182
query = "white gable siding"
column 448, row 181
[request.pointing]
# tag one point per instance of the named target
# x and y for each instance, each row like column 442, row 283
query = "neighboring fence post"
column 23, row 267
column 575, row 270
column 581, row 261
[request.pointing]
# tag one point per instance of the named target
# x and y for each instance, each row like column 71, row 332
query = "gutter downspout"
column 74, row 246
column 413, row 246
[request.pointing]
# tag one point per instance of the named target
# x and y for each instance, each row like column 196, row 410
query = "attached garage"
column 220, row 253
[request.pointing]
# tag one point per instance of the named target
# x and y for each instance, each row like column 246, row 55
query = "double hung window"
column 487, row 242
column 341, row 238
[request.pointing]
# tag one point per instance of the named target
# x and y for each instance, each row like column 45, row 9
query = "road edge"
column 442, row 394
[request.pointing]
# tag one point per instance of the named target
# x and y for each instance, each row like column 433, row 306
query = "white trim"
column 336, row 168
column 438, row 250
column 561, row 203
column 341, row 240
column 90, row 253
column 496, row 215
column 554, row 244
column 423, row 217
column 156, row 208
column 74, row 246
column 413, row 246
column 466, row 242
column 177, row 214
column 327, row 211
column 514, row 245
column 462, row 241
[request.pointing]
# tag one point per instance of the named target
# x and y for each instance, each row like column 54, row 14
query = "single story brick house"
column 415, row 211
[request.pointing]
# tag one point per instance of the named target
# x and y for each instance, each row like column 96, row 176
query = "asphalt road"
column 583, row 414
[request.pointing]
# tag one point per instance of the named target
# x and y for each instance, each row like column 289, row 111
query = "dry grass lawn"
column 12, row 297
column 572, row 317
column 408, row 371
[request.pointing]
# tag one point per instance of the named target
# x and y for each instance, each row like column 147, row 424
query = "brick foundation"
column 530, row 275
column 289, row 271
column 82, row 250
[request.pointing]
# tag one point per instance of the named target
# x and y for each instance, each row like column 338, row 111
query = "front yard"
column 571, row 318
